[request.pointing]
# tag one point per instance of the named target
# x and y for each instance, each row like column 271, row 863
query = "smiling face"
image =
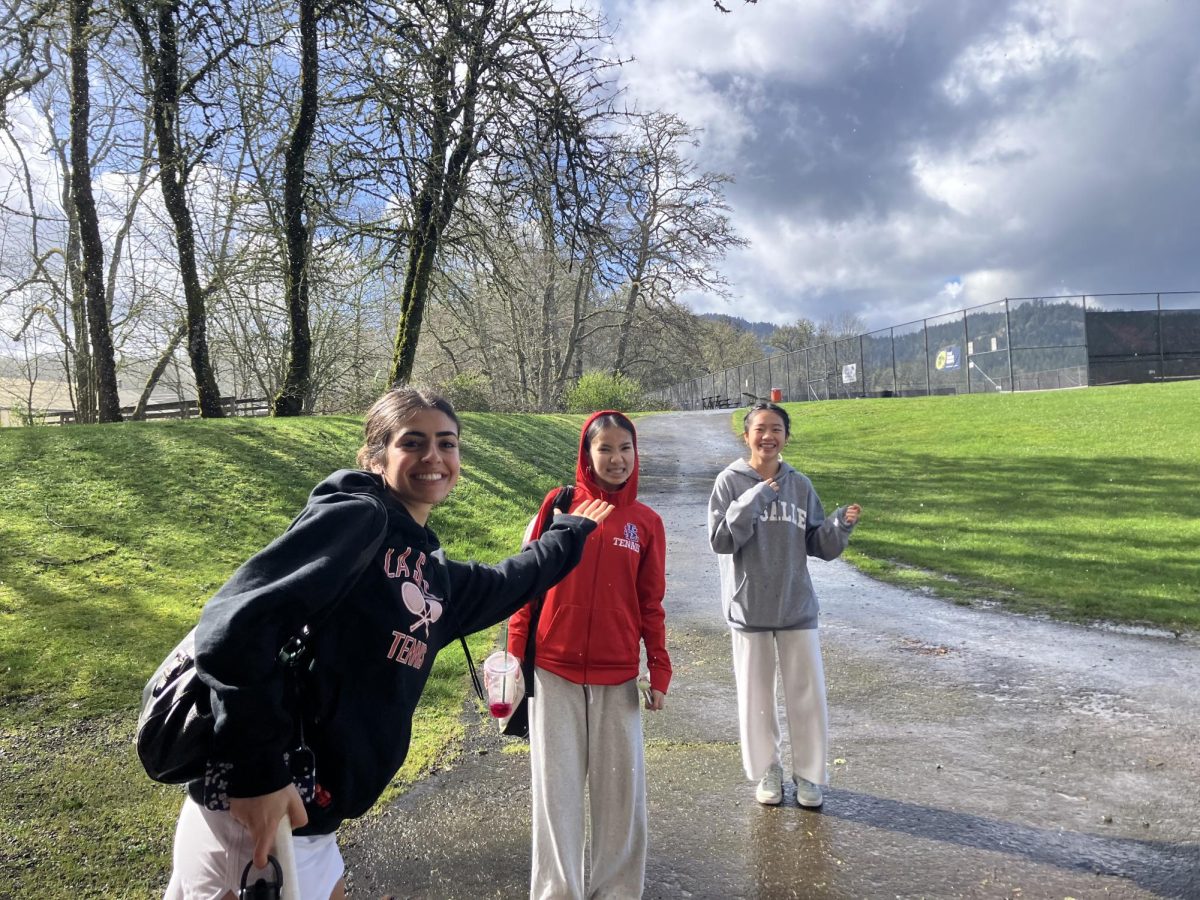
column 766, row 436
column 420, row 464
column 611, row 454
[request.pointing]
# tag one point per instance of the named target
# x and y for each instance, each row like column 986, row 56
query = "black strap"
column 462, row 638
column 562, row 501
column 471, row 668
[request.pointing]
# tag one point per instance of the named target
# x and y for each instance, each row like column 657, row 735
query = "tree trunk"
column 572, row 357
column 421, row 256
column 446, row 173
column 79, row 356
column 296, row 385
column 635, row 287
column 626, row 326
column 546, row 364
column 109, row 403
column 163, row 64
column 164, row 359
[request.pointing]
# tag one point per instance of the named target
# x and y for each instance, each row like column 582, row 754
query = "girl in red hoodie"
column 585, row 728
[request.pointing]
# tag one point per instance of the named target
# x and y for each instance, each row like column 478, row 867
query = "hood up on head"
column 587, row 479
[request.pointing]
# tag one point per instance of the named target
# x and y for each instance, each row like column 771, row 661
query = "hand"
column 850, row 515
column 774, row 484
column 656, row 701
column 260, row 816
column 596, row 510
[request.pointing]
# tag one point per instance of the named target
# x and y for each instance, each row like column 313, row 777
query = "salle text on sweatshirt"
column 763, row 539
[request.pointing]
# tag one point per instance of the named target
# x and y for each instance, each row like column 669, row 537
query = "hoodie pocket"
column 615, row 639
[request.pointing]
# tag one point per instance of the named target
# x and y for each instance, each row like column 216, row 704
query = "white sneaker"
column 770, row 789
column 807, row 793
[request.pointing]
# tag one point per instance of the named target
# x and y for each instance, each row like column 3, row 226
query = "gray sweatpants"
column 586, row 736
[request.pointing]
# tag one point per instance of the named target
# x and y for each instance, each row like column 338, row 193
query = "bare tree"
column 292, row 396
column 20, row 68
column 447, row 85
column 68, row 268
column 675, row 227
column 723, row 345
column 157, row 28
column 796, row 336
column 839, row 326
column 87, row 221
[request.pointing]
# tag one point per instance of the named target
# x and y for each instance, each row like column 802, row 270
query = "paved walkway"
column 974, row 753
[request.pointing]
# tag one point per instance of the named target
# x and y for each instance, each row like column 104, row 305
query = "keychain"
column 262, row 889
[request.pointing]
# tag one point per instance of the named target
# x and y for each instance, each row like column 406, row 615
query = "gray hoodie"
column 764, row 539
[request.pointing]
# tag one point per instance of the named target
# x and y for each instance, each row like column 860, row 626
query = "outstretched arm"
column 483, row 595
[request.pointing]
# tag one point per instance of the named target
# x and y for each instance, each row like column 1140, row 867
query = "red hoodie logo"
column 630, row 541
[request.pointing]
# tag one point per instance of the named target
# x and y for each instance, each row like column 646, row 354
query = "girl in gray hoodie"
column 764, row 521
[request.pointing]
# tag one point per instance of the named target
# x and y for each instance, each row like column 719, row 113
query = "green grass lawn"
column 1081, row 504
column 111, row 539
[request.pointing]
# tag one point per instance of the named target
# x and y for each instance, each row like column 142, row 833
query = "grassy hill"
column 1081, row 504
column 111, row 539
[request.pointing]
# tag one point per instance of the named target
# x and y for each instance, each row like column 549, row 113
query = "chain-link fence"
column 1015, row 344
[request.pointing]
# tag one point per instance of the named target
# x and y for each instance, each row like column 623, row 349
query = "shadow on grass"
column 1085, row 533
column 1166, row 869
column 177, row 506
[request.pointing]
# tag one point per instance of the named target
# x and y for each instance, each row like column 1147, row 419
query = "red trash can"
column 776, row 395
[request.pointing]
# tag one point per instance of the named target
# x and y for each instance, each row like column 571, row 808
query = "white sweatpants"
column 796, row 653
column 586, row 737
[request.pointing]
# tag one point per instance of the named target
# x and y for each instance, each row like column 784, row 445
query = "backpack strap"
column 562, row 500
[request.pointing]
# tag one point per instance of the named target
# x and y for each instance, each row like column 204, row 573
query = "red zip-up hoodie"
column 593, row 622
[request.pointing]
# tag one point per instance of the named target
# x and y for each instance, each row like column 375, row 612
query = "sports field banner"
column 948, row 359
column 850, row 373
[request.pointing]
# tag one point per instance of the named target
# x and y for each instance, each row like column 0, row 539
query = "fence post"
column 1012, row 382
column 1162, row 356
column 925, row 335
column 967, row 348
column 829, row 396
column 895, row 377
column 862, row 369
column 1087, row 352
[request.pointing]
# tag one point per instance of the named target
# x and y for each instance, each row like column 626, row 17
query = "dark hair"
column 389, row 413
column 608, row 420
column 764, row 406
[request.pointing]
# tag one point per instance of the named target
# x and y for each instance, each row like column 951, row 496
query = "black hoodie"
column 381, row 600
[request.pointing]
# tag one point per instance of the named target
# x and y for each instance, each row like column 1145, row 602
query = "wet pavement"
column 974, row 753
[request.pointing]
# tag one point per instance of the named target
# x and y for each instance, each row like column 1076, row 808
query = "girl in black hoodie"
column 360, row 568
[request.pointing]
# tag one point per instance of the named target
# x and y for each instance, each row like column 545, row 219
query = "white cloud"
column 25, row 163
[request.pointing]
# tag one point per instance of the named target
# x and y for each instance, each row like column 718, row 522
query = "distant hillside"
column 761, row 330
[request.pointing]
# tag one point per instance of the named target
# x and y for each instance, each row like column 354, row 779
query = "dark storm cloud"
column 842, row 148
column 883, row 152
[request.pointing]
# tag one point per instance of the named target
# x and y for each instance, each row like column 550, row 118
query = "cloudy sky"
column 903, row 158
